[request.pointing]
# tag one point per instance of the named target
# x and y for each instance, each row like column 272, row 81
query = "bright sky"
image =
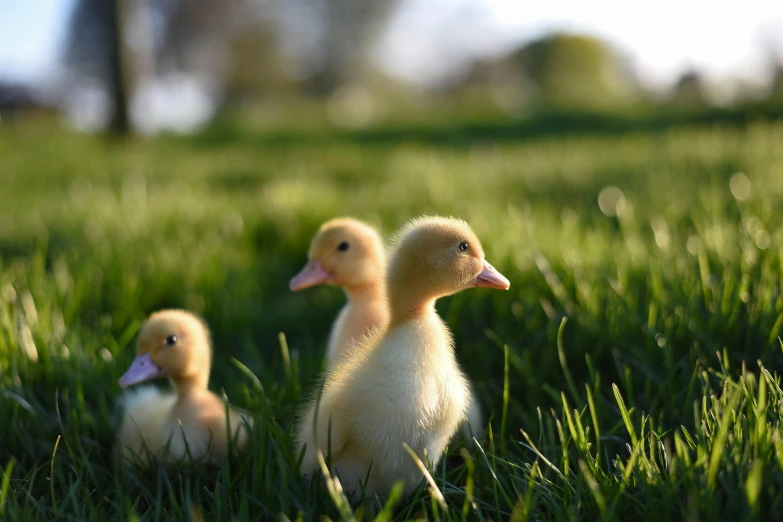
column 431, row 36
column 661, row 36
column 31, row 34
column 664, row 36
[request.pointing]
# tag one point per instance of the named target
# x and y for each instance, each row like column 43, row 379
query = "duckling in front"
column 190, row 422
column 401, row 385
column 350, row 254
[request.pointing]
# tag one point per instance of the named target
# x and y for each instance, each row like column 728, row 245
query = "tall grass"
column 631, row 372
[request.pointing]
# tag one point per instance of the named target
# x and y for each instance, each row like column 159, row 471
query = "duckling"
column 191, row 422
column 403, row 384
column 350, row 254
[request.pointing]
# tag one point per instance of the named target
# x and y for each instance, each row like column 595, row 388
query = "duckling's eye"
column 171, row 340
column 342, row 247
column 463, row 246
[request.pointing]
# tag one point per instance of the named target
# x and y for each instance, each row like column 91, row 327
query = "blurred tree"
column 503, row 79
column 241, row 48
column 690, row 89
column 255, row 68
column 773, row 49
column 115, row 46
column 576, row 70
column 334, row 36
column 93, row 52
column 776, row 91
column 194, row 35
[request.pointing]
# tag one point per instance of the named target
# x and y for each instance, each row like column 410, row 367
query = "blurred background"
column 147, row 66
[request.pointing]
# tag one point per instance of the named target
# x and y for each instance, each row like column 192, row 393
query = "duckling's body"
column 402, row 384
column 369, row 422
column 191, row 426
column 188, row 422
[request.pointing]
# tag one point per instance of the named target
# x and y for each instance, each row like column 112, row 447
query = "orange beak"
column 142, row 369
column 491, row 278
column 311, row 275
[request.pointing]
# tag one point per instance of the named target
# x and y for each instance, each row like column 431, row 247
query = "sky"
column 662, row 37
column 429, row 38
column 31, row 36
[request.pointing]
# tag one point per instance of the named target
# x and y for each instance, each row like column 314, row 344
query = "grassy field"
column 631, row 372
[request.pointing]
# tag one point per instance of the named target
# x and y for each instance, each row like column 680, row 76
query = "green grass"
column 631, row 372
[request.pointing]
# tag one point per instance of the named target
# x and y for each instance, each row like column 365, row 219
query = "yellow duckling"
column 402, row 385
column 191, row 422
column 350, row 254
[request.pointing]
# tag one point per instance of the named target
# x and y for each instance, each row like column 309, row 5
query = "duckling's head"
column 171, row 343
column 344, row 252
column 435, row 257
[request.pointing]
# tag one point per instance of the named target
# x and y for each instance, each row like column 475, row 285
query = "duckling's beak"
column 312, row 274
column 491, row 278
column 142, row 369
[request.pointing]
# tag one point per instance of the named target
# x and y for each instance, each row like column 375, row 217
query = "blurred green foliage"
column 573, row 70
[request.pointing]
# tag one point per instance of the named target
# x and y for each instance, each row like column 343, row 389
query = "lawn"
column 630, row 373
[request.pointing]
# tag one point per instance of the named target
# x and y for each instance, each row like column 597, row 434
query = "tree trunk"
column 119, row 123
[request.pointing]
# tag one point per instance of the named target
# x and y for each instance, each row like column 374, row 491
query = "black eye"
column 342, row 247
column 463, row 246
column 170, row 340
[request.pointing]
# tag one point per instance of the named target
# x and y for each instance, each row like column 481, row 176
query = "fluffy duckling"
column 350, row 254
column 402, row 385
column 192, row 420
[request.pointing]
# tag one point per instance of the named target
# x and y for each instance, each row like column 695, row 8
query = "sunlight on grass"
column 631, row 372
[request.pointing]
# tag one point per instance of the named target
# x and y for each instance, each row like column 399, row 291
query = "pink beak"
column 142, row 369
column 312, row 274
column 491, row 278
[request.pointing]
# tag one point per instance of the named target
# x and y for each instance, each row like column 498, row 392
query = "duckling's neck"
column 364, row 294
column 187, row 386
column 410, row 306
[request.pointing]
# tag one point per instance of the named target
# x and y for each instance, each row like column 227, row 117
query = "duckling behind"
column 191, row 421
column 402, row 385
column 350, row 254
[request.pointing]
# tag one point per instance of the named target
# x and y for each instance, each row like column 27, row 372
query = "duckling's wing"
column 316, row 431
column 239, row 421
column 214, row 426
